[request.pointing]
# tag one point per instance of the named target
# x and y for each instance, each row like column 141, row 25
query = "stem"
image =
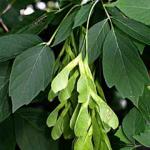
column 74, row 44
column 5, row 28
column 108, row 16
column 63, row 8
column 87, row 27
column 8, row 7
column 53, row 36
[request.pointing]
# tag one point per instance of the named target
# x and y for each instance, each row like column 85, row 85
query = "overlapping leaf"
column 5, row 105
column 133, row 28
column 28, row 136
column 82, row 15
column 139, row 11
column 122, row 66
column 65, row 28
column 133, row 124
column 12, row 45
column 7, row 138
column 31, row 73
column 97, row 32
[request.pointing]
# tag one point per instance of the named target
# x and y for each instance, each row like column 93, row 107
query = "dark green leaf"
column 144, row 104
column 127, row 148
column 7, row 135
column 31, row 73
column 139, row 11
column 29, row 137
column 35, row 117
column 97, row 35
column 144, row 138
column 133, row 28
column 82, row 15
column 5, row 105
column 122, row 66
column 65, row 28
column 12, row 45
column 133, row 124
column 140, row 46
column 120, row 134
column 37, row 25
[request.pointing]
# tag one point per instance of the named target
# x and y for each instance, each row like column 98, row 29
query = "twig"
column 2, row 24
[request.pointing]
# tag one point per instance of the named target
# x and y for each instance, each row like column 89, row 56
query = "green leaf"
column 3, row 5
column 144, row 104
column 65, row 28
column 52, row 118
column 140, row 47
column 7, row 135
column 97, row 32
column 35, row 117
column 67, row 132
column 139, row 11
column 28, row 136
column 84, row 142
column 83, row 90
column 74, row 116
column 133, row 124
column 5, row 104
column 65, row 2
column 127, row 148
column 82, row 15
column 143, row 138
column 31, row 73
column 122, row 136
column 105, row 112
column 133, row 28
column 60, row 82
column 100, row 138
column 122, row 66
column 66, row 93
column 12, row 45
column 51, row 95
column 58, row 129
column 35, row 24
column 83, row 121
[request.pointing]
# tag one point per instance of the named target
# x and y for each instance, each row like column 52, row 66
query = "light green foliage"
column 82, row 122
column 60, row 82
